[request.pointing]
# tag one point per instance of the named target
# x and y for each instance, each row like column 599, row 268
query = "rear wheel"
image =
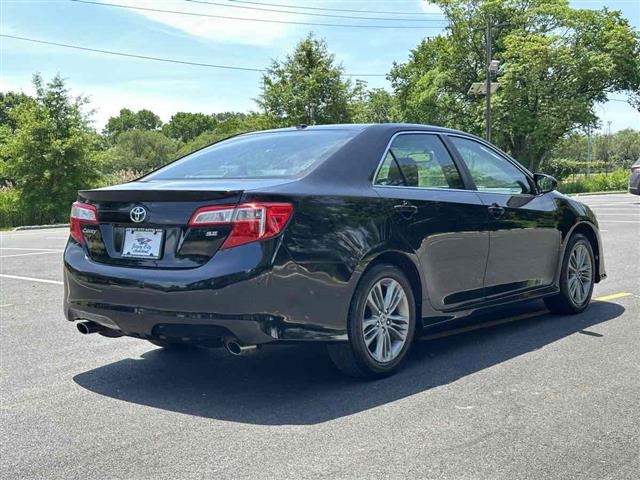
column 576, row 278
column 381, row 325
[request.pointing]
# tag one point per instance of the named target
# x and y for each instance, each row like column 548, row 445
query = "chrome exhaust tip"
column 235, row 348
column 86, row 328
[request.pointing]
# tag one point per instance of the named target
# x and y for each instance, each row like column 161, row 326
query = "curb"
column 41, row 227
column 583, row 194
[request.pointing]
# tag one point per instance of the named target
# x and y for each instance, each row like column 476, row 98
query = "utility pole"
column 487, row 113
column 588, row 150
column 608, row 149
column 492, row 66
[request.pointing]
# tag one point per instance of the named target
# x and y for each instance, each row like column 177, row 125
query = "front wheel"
column 381, row 325
column 576, row 278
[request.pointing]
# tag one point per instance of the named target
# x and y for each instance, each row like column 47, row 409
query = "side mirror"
column 545, row 183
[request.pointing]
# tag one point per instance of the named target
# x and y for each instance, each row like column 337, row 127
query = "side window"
column 389, row 173
column 490, row 172
column 419, row 160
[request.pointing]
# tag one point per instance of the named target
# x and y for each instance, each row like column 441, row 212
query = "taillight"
column 81, row 213
column 250, row 221
column 635, row 168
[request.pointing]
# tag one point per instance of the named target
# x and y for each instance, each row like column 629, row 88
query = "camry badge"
column 138, row 214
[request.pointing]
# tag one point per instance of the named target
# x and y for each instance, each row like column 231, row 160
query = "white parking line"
column 619, row 205
column 637, row 222
column 27, row 254
column 49, row 250
column 22, row 233
column 610, row 204
column 31, row 279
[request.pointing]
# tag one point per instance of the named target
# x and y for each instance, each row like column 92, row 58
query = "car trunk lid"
column 146, row 224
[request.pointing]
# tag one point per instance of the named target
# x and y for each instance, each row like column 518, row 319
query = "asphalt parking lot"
column 538, row 396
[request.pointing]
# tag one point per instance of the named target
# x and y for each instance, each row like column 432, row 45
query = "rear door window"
column 419, row 160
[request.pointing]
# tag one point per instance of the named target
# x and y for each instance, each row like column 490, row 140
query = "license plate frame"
column 135, row 246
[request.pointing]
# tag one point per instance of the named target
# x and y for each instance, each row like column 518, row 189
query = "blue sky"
column 114, row 82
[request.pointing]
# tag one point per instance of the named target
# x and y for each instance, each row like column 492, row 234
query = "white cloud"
column 220, row 30
column 106, row 101
column 429, row 7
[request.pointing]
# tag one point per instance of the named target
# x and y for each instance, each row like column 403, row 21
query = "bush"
column 122, row 176
column 140, row 151
column 9, row 207
column 599, row 182
column 562, row 168
column 201, row 141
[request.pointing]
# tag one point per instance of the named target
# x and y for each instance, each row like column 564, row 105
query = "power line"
column 186, row 62
column 132, row 55
column 162, row 59
column 263, row 20
column 332, row 9
column 351, row 17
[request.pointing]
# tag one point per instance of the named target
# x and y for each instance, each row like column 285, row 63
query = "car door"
column 443, row 222
column 524, row 239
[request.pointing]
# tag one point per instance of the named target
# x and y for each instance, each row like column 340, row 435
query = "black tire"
column 354, row 358
column 167, row 345
column 563, row 302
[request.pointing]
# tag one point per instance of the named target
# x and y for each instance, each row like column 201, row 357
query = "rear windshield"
column 258, row 155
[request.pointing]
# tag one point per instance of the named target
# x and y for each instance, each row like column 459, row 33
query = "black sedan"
column 359, row 236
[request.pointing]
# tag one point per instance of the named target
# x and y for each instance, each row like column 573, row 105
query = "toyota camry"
column 359, row 236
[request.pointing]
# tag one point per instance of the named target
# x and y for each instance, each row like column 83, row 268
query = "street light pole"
column 588, row 150
column 487, row 113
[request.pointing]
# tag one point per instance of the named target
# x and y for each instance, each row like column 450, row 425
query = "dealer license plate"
column 142, row 242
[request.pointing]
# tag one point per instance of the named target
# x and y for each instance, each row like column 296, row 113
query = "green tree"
column 307, row 87
column 371, row 106
column 557, row 63
column 232, row 125
column 571, row 146
column 222, row 116
column 625, row 147
column 140, row 151
column 185, row 126
column 50, row 153
column 126, row 120
column 147, row 120
column 9, row 101
column 129, row 120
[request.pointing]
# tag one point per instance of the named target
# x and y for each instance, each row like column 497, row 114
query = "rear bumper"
column 200, row 328
column 242, row 292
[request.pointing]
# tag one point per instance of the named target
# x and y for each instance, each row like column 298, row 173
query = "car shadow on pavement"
column 297, row 385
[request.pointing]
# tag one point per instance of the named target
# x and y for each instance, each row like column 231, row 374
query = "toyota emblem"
column 138, row 214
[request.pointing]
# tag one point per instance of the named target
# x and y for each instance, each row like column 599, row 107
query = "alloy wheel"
column 579, row 274
column 385, row 322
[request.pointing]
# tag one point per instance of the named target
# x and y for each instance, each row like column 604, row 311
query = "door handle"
column 406, row 209
column 496, row 211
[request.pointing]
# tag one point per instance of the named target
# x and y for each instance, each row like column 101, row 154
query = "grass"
column 618, row 180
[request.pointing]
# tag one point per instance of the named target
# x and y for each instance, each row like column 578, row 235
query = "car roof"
column 380, row 127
